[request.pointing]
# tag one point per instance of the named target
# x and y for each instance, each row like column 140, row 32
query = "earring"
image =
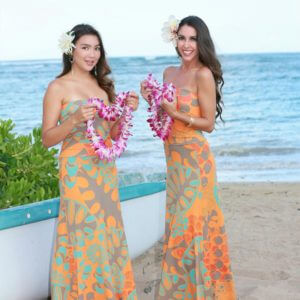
column 71, row 59
column 95, row 72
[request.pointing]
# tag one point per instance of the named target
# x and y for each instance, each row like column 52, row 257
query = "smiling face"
column 187, row 43
column 87, row 52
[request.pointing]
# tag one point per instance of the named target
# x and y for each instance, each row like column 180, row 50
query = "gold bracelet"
column 191, row 122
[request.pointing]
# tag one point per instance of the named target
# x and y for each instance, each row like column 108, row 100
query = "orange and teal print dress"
column 91, row 260
column 195, row 264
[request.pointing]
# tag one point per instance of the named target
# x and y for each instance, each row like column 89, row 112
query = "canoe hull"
column 25, row 252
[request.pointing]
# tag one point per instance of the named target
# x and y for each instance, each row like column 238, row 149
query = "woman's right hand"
column 84, row 113
column 145, row 92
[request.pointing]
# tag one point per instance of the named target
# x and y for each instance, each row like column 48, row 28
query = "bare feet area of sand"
column 263, row 225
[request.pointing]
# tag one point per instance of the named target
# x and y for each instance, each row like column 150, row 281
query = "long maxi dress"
column 90, row 260
column 195, row 263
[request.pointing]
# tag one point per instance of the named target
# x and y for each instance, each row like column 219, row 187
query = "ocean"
column 259, row 141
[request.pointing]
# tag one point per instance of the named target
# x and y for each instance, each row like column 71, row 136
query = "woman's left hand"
column 169, row 107
column 132, row 100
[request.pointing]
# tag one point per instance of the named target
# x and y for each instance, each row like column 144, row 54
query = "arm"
column 52, row 133
column 145, row 92
column 114, row 131
column 207, row 102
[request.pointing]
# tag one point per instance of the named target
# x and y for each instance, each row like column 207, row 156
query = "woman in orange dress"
column 195, row 263
column 90, row 259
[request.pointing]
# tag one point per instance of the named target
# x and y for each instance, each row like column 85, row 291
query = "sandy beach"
column 263, row 225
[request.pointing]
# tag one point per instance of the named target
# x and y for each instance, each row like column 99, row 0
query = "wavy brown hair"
column 207, row 56
column 101, row 70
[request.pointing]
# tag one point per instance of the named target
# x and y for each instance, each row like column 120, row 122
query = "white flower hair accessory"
column 169, row 30
column 65, row 43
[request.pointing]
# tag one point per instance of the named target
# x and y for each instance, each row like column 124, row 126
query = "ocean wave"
column 150, row 57
column 256, row 151
column 134, row 153
column 130, row 178
column 20, row 63
column 231, row 151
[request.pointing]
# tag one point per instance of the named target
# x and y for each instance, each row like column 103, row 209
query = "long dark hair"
column 207, row 56
column 101, row 70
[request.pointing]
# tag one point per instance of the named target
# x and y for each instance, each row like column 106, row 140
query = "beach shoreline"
column 262, row 222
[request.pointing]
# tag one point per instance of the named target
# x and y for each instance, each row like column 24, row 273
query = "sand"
column 263, row 225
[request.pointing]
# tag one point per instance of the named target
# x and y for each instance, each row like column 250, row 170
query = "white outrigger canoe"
column 27, row 234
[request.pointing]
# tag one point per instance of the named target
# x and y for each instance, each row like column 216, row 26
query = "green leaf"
column 28, row 171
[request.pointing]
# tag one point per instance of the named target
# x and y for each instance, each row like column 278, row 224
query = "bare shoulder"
column 56, row 90
column 56, row 85
column 169, row 71
column 204, row 74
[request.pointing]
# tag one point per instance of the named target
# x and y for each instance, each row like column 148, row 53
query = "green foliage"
column 28, row 171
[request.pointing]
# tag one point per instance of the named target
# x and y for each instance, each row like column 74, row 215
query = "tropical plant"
column 28, row 171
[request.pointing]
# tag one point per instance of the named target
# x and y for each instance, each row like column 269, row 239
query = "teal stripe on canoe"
column 47, row 209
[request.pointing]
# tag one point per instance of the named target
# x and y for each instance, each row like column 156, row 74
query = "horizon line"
column 153, row 56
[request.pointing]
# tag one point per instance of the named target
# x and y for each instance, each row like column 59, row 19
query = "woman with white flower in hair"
column 196, row 263
column 90, row 259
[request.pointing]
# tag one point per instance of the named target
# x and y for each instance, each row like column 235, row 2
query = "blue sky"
column 30, row 29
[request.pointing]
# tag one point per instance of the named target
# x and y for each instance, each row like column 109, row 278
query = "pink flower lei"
column 160, row 122
column 110, row 113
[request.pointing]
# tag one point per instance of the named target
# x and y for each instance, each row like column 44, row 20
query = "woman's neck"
column 79, row 74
